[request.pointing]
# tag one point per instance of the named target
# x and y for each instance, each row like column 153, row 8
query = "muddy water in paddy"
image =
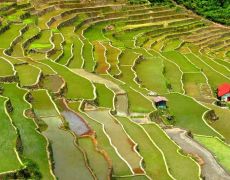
column 118, row 136
column 69, row 160
column 76, row 124
column 121, row 104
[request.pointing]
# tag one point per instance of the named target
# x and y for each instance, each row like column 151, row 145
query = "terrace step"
column 211, row 169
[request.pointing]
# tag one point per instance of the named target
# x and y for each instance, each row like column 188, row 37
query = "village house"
column 223, row 92
column 160, row 102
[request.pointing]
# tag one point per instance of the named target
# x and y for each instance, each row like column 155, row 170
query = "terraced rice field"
column 78, row 81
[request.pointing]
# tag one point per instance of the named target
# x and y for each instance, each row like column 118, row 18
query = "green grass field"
column 28, row 75
column 8, row 154
column 6, row 68
column 34, row 144
column 188, row 114
column 104, row 96
column 102, row 64
column 217, row 147
column 147, row 149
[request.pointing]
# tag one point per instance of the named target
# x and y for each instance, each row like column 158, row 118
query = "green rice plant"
column 220, row 150
column 158, row 45
column 56, row 55
column 189, row 114
column 172, row 44
column 67, row 54
column 31, row 20
column 25, row 40
column 97, row 161
column 8, row 153
column 112, row 55
column 173, row 76
column 43, row 42
column 115, row 42
column 32, row 31
column 28, row 75
column 77, row 60
column 18, row 15
column 180, row 166
column 87, row 53
column 181, row 61
column 105, row 96
column 11, row 34
column 127, row 76
column 137, row 102
column 62, row 155
column 95, row 31
column 119, row 166
column 57, row 40
column 195, row 85
column 46, row 70
column 128, row 57
column 214, row 78
column 99, row 55
column 218, row 67
column 228, row 54
column 150, row 74
column 6, row 69
column 223, row 62
column 135, row 177
column 77, row 86
column 42, row 105
column 42, row 20
column 33, row 143
column 126, row 37
column 68, row 33
column 17, row 50
column 153, row 162
column 222, row 125
column 118, row 137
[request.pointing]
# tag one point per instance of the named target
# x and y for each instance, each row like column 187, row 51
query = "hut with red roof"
column 223, row 92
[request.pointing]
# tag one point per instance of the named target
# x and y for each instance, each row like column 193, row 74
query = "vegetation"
column 104, row 96
column 217, row 147
column 216, row 10
column 79, row 87
column 8, row 155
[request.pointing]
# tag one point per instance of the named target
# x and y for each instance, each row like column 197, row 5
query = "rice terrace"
column 115, row 89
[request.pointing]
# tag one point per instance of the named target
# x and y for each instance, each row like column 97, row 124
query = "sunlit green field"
column 78, row 87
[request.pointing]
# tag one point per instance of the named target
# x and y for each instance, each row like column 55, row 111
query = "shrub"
column 215, row 10
column 138, row 1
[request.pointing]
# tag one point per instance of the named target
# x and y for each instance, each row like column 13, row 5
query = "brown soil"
column 138, row 171
column 53, row 83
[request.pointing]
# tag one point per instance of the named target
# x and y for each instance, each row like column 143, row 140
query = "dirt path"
column 121, row 103
column 211, row 170
column 97, row 79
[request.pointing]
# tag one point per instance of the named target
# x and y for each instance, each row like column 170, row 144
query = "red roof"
column 223, row 89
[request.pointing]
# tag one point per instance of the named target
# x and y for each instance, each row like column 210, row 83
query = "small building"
column 160, row 102
column 223, row 92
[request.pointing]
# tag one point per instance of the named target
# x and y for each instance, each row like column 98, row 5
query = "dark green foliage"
column 164, row 2
column 138, row 1
column 215, row 10
column 30, row 172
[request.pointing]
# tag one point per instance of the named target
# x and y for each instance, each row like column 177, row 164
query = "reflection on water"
column 76, row 124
